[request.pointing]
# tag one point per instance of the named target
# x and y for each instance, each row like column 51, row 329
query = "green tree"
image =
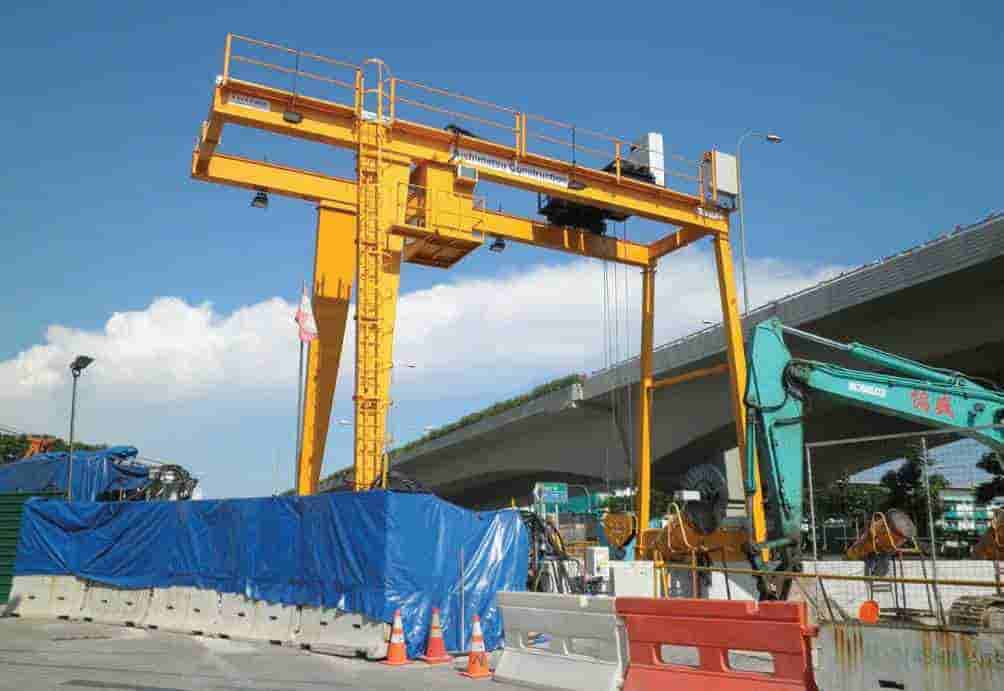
column 993, row 463
column 844, row 499
column 907, row 491
column 14, row 446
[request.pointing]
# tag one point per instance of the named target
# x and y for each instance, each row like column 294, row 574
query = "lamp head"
column 260, row 200
column 80, row 363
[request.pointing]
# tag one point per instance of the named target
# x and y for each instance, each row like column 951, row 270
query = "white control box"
column 721, row 178
column 647, row 151
column 632, row 579
column 597, row 562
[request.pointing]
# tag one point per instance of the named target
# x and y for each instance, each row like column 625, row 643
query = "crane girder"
column 336, row 124
column 317, row 187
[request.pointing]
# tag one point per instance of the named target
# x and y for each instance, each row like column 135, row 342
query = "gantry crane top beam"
column 328, row 122
column 317, row 187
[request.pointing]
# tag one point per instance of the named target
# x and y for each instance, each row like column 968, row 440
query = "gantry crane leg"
column 735, row 351
column 382, row 188
column 390, row 281
column 644, row 426
column 334, row 272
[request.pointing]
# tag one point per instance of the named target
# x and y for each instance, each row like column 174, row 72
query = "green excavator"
column 779, row 389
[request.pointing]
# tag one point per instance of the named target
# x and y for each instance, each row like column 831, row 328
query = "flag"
column 305, row 318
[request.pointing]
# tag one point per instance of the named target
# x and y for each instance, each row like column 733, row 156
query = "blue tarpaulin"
column 95, row 473
column 366, row 552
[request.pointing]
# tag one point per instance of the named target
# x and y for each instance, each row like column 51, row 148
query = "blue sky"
column 890, row 114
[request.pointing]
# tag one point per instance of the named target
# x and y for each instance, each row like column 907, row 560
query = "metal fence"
column 931, row 476
column 892, row 519
column 902, row 513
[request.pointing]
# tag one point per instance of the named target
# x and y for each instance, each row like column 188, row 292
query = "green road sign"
column 551, row 492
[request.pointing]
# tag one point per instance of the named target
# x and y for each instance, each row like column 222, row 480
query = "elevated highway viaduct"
column 940, row 302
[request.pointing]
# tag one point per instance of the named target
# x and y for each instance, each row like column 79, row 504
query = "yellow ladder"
column 371, row 398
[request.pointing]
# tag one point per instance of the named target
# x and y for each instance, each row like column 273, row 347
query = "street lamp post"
column 78, row 365
column 773, row 139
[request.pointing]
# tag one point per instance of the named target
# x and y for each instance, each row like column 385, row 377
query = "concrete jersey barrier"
column 236, row 618
column 168, row 610
column 68, row 593
column 30, row 597
column 106, row 604
column 585, row 649
column 859, row 656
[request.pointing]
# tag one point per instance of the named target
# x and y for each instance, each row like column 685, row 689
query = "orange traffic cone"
column 477, row 661
column 396, row 653
column 435, row 650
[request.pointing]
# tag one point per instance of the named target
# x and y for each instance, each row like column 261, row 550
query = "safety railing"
column 312, row 75
column 251, row 59
column 828, row 601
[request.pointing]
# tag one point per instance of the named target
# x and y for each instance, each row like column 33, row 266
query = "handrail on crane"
column 608, row 148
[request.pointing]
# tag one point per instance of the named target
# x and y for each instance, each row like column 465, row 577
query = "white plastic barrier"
column 273, row 622
column 236, row 618
column 107, row 604
column 168, row 609
column 68, row 593
column 30, row 597
column 342, row 633
column 586, row 650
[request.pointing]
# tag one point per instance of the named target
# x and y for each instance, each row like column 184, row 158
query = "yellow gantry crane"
column 414, row 200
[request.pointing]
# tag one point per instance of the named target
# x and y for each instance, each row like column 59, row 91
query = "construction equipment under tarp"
column 363, row 552
column 106, row 475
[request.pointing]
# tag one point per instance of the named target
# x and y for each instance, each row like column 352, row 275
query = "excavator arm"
column 779, row 386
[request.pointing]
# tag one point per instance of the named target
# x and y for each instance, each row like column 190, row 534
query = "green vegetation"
column 14, row 446
column 494, row 409
column 993, row 463
column 846, row 500
column 658, row 503
column 908, row 493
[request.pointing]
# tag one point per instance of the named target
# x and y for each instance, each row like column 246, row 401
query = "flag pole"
column 299, row 419
column 307, row 332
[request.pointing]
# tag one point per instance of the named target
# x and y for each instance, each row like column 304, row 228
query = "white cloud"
column 468, row 336
column 178, row 350
column 551, row 317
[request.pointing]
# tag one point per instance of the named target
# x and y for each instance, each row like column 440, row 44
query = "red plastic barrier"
column 714, row 627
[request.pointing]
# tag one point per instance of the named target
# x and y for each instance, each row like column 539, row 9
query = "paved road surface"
column 72, row 656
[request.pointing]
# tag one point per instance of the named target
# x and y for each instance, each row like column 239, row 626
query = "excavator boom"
column 776, row 394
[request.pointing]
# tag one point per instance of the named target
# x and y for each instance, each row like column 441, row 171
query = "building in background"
column 963, row 514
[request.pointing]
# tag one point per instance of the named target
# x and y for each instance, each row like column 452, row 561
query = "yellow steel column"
column 644, row 460
column 736, row 354
column 334, row 270
column 382, row 178
column 390, row 282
